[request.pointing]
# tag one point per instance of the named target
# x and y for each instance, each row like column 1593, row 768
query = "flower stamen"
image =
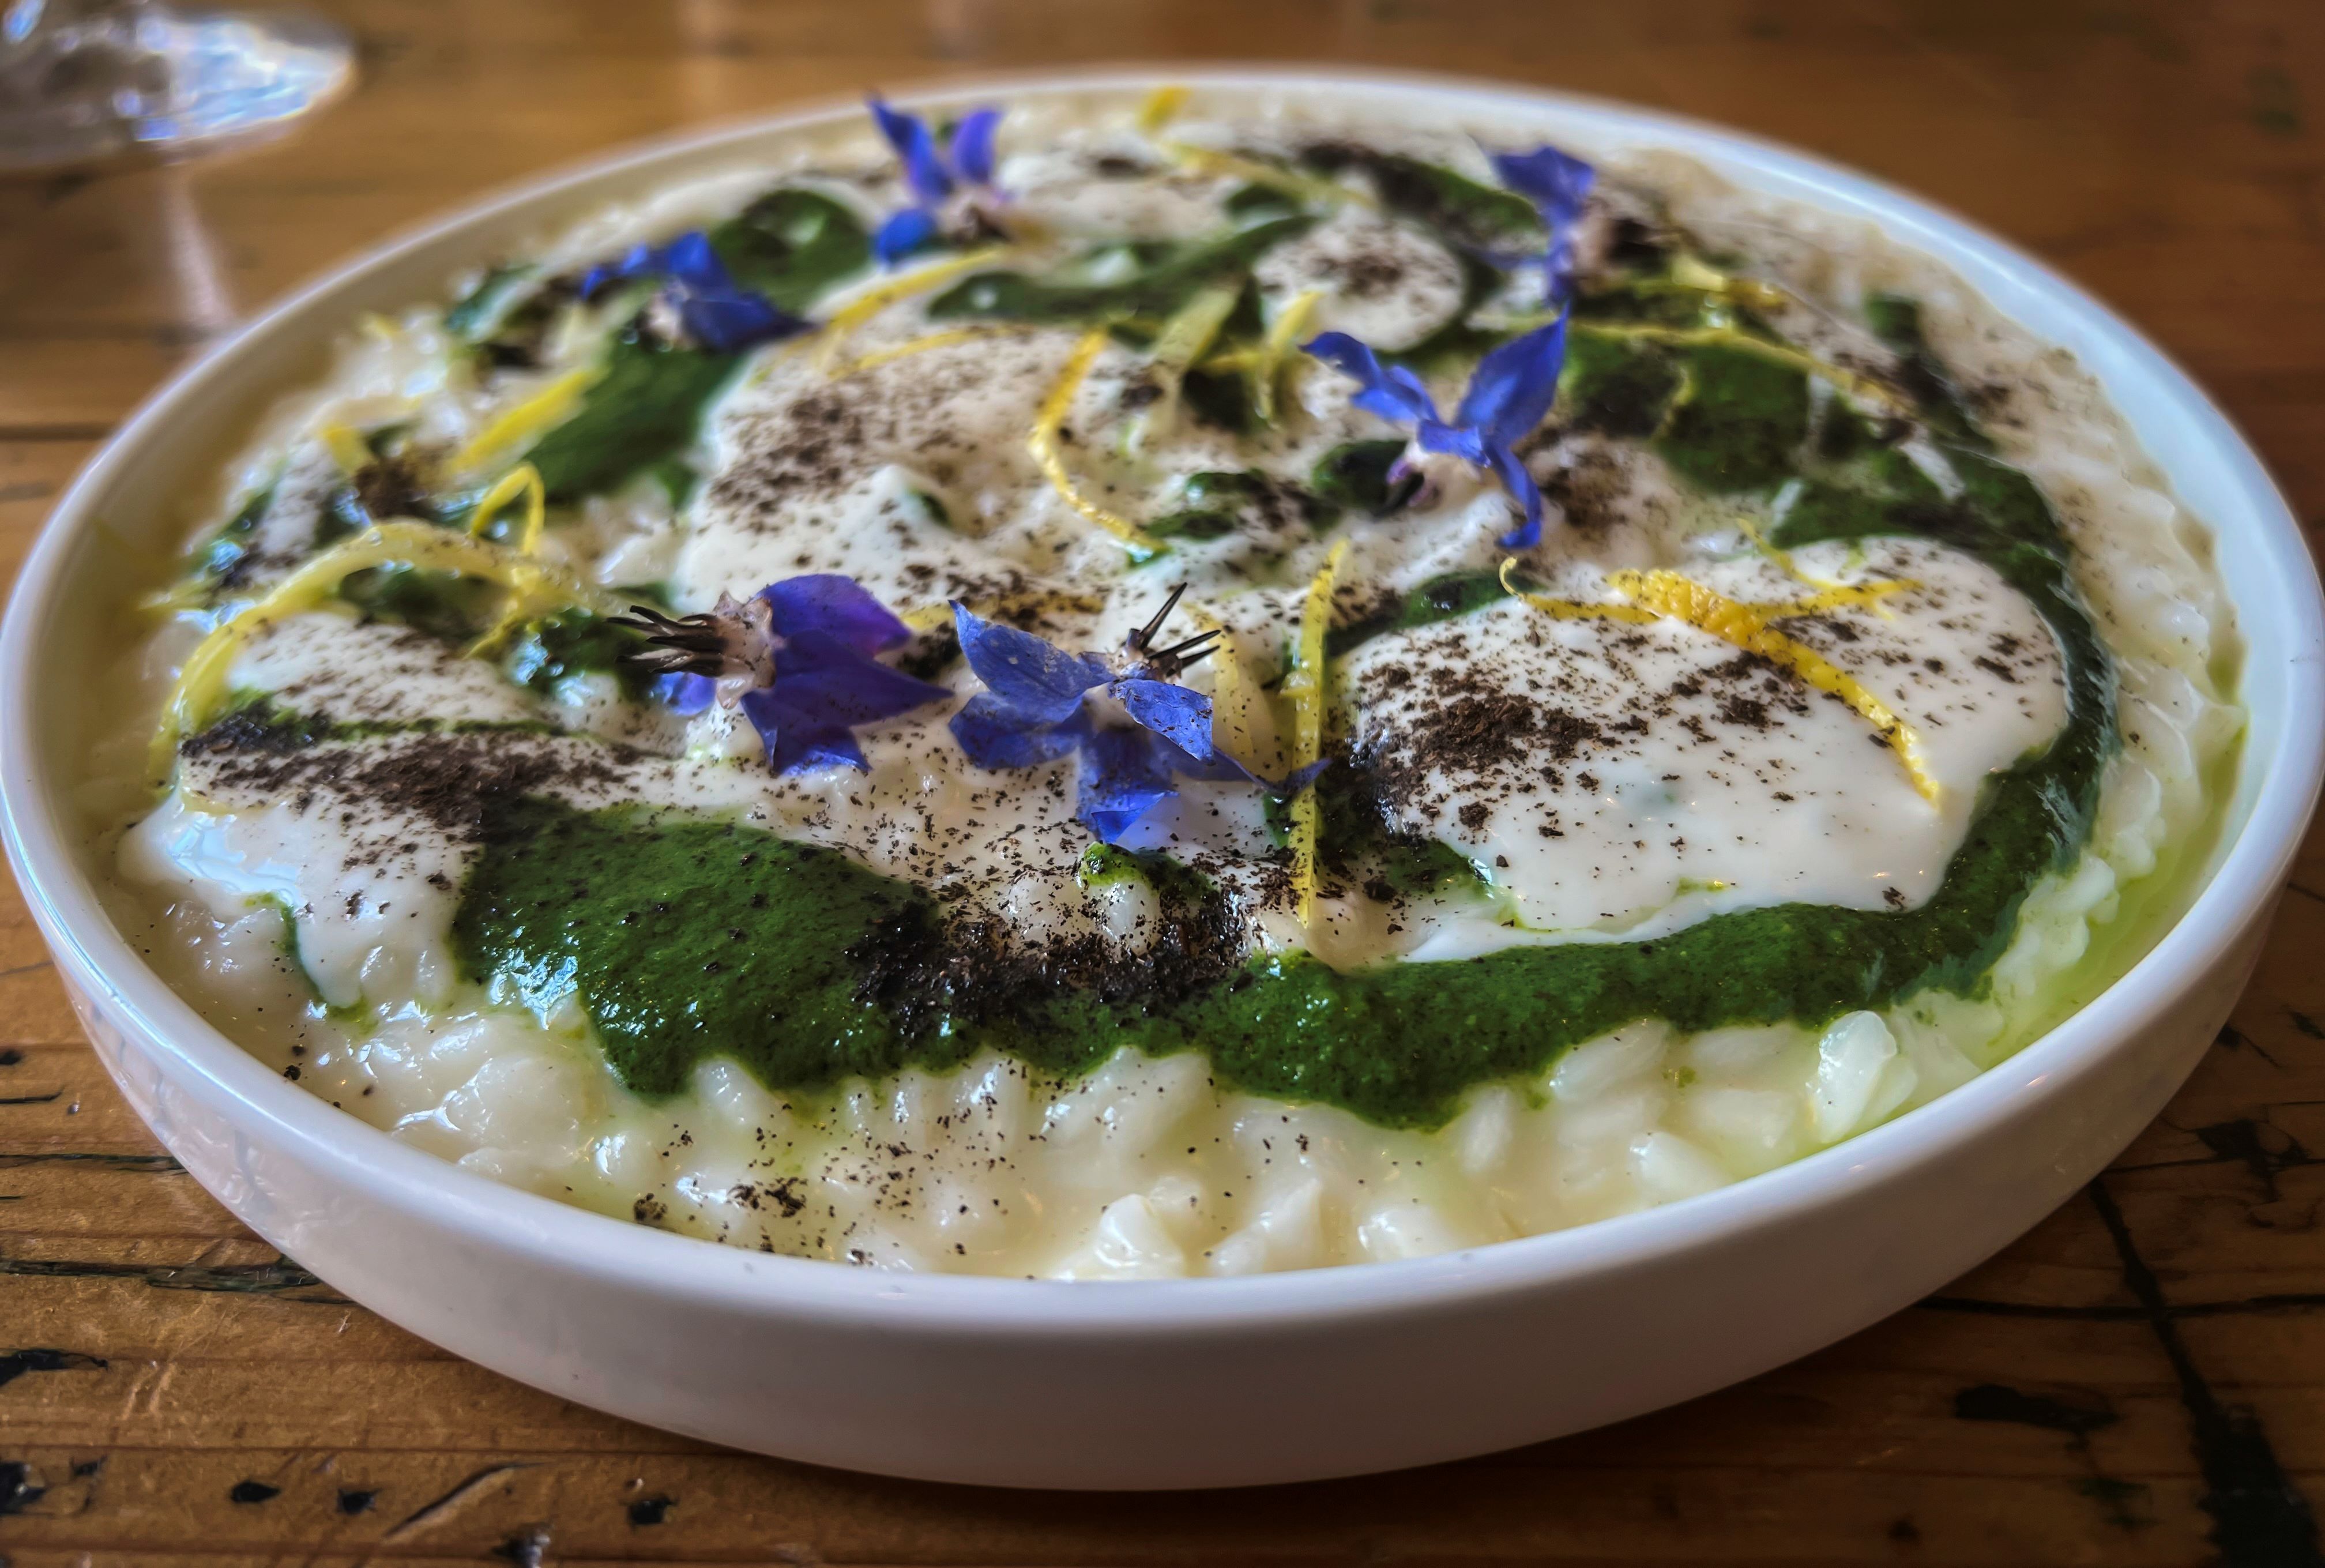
column 1138, row 641
column 692, row 645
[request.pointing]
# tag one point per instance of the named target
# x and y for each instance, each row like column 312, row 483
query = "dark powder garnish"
column 924, row 969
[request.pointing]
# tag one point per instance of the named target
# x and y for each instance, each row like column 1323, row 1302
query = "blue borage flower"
column 1033, row 712
column 1509, row 393
column 804, row 651
column 717, row 312
column 931, row 174
column 1556, row 183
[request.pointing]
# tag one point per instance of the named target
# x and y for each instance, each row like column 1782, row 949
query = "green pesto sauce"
column 688, row 939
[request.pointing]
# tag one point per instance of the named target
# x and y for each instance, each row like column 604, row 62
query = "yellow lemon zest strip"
column 1177, row 345
column 202, row 682
column 1229, row 165
column 872, row 301
column 1161, row 106
column 345, row 446
column 1694, row 274
column 1748, row 627
column 1780, row 556
column 928, row 618
column 1231, row 692
column 1275, row 350
column 1680, row 398
column 1043, row 444
column 1270, row 357
column 1569, row 609
column 1190, row 331
column 876, row 357
column 1839, row 595
column 1745, row 343
column 1835, row 594
column 1303, row 683
column 524, row 480
column 521, row 426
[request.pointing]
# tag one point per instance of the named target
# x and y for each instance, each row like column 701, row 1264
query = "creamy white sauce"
column 1374, row 279
column 1636, row 778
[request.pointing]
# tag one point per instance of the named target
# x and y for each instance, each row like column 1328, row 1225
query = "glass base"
column 96, row 83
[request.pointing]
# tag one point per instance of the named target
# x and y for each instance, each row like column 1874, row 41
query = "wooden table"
column 2141, row 1380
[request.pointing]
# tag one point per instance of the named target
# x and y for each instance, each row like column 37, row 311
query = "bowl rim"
column 218, row 1074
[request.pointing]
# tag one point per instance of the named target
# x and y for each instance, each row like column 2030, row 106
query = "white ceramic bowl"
column 1177, row 1383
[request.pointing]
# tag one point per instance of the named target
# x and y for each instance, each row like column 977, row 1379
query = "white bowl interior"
column 130, row 502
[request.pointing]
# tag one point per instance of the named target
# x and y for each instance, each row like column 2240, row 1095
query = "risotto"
column 1167, row 688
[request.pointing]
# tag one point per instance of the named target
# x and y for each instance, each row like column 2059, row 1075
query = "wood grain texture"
column 2140, row 1380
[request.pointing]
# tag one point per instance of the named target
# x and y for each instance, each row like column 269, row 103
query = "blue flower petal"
column 899, row 125
column 718, row 313
column 1513, row 387
column 992, row 734
column 640, row 260
column 821, row 748
column 1298, row 778
column 971, row 151
column 796, row 741
column 1220, row 768
column 1390, row 390
column 1179, row 714
column 728, row 323
column 826, row 681
column 684, row 693
column 903, row 233
column 1509, row 393
column 1037, row 678
column 689, row 259
column 835, row 605
column 1460, row 441
column 804, row 717
column 1558, row 273
column 1521, row 488
column 1556, row 183
column 830, row 682
column 1033, row 713
column 916, row 149
column 1125, row 775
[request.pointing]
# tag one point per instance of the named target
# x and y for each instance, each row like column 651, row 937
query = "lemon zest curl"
column 1043, row 444
column 519, row 427
column 873, row 301
column 1304, row 684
